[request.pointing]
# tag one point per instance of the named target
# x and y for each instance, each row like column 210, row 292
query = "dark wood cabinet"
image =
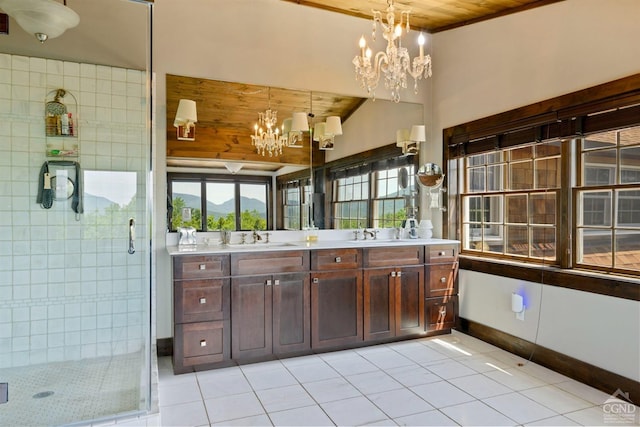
column 201, row 311
column 442, row 313
column 336, row 308
column 441, row 305
column 410, row 301
column 270, row 315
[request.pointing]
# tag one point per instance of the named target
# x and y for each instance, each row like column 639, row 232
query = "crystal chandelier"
column 269, row 140
column 395, row 61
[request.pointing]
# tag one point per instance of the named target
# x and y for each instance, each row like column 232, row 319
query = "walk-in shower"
column 75, row 286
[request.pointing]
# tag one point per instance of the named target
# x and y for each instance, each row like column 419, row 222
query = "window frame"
column 205, row 179
column 609, row 106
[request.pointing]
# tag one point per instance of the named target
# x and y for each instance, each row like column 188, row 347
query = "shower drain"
column 42, row 394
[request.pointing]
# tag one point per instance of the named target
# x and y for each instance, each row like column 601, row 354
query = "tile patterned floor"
column 447, row 380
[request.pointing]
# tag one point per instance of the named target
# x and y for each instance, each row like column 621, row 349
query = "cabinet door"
column 291, row 318
column 200, row 343
column 441, row 313
column 409, row 301
column 336, row 308
column 201, row 300
column 251, row 317
column 442, row 280
column 379, row 303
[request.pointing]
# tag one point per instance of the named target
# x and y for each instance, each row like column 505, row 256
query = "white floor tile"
column 476, row 413
column 556, row 399
column 593, row 416
column 450, row 369
column 399, row 403
column 307, row 416
column 353, row 412
column 258, row 421
column 519, row 408
column 233, row 407
column 482, row 363
column 175, row 393
column 332, row 389
column 316, row 370
column 413, row 375
column 441, row 394
column 583, row 391
column 351, row 364
column 387, row 359
column 431, row 418
column 554, row 421
column 419, row 353
column 283, row 398
column 186, row 414
column 223, row 382
column 373, row 382
column 514, row 379
column 269, row 378
column 480, row 386
column 542, row 373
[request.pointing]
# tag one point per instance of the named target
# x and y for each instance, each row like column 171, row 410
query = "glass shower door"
column 75, row 286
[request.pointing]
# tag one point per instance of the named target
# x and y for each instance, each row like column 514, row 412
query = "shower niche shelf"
column 61, row 124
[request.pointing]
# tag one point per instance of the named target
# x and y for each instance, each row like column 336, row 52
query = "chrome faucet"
column 256, row 236
column 371, row 233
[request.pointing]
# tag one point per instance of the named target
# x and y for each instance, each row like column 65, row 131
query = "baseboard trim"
column 164, row 346
column 594, row 376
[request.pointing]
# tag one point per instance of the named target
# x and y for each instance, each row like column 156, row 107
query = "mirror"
column 227, row 112
column 431, row 176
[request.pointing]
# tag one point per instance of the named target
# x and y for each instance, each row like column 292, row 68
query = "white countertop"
column 204, row 249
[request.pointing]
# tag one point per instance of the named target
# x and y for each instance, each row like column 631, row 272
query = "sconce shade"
column 417, row 133
column 334, row 126
column 286, row 126
column 319, row 131
column 186, row 112
column 300, row 122
column 46, row 19
column 402, row 136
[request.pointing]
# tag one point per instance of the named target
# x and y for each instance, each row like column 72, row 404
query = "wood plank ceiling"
column 431, row 15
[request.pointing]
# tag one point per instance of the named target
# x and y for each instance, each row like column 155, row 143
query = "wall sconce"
column 45, row 19
column 410, row 140
column 325, row 132
column 186, row 118
column 299, row 124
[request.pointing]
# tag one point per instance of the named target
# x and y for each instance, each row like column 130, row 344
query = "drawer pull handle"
column 443, row 311
column 399, row 273
column 338, row 259
column 269, row 282
column 443, row 280
column 203, row 343
column 202, row 266
column 203, row 300
column 276, row 282
column 393, row 274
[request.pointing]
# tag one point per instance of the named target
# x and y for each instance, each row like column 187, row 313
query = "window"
column 510, row 200
column 296, row 203
column 373, row 195
column 209, row 202
column 556, row 182
column 608, row 200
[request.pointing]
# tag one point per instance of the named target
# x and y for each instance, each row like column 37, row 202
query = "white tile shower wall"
column 68, row 289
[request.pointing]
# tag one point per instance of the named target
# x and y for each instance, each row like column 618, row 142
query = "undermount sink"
column 258, row 246
column 375, row 241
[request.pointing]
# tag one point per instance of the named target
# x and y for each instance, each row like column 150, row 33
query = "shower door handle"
column 132, row 235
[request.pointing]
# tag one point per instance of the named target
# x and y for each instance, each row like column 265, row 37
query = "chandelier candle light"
column 269, row 140
column 394, row 62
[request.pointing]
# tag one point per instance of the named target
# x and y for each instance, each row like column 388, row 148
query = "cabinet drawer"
column 201, row 343
column 393, row 256
column 442, row 280
column 441, row 253
column 200, row 266
column 201, row 300
column 441, row 313
column 269, row 262
column 336, row 259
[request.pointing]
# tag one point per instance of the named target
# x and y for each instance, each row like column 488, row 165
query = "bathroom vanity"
column 245, row 303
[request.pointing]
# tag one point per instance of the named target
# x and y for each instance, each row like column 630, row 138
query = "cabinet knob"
column 315, row 280
column 443, row 280
column 202, row 266
column 276, row 282
column 443, row 310
column 203, row 343
column 202, row 300
column 442, row 253
column 393, row 274
column 269, row 282
column 399, row 273
column 338, row 259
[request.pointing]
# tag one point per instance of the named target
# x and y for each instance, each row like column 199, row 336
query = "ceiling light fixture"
column 394, row 62
column 45, row 19
column 269, row 140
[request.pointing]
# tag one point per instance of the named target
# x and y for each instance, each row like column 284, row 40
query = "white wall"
column 516, row 60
